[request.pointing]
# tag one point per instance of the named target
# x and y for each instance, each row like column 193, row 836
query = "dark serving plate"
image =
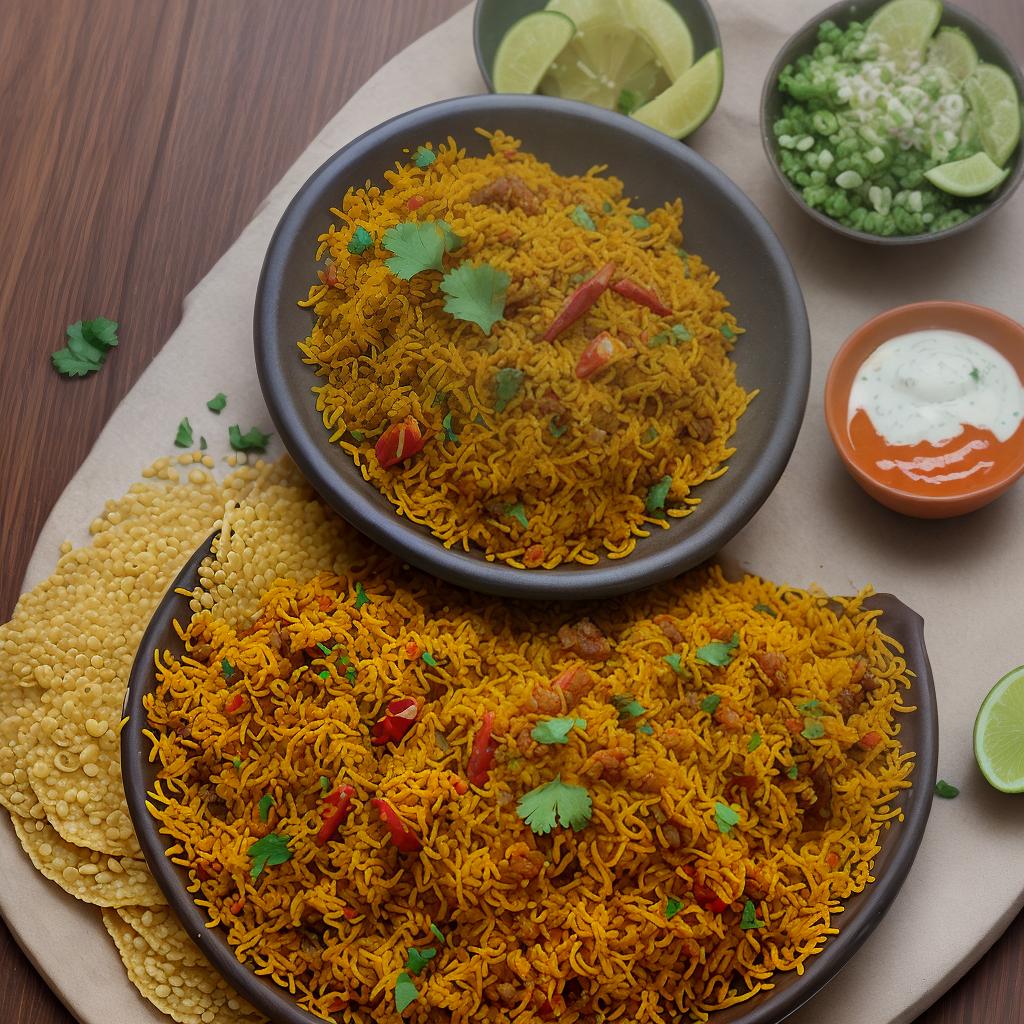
column 990, row 49
column 920, row 732
column 721, row 224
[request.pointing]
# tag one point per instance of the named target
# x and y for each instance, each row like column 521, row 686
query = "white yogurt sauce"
column 929, row 385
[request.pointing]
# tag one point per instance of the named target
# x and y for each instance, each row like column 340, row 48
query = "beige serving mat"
column 962, row 575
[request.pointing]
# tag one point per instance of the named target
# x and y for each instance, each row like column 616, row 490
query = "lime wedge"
column 901, row 29
column 999, row 734
column 529, row 48
column 583, row 12
column 967, row 178
column 660, row 24
column 952, row 50
column 687, row 104
column 996, row 105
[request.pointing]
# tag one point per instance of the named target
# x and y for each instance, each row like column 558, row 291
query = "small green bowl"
column 494, row 18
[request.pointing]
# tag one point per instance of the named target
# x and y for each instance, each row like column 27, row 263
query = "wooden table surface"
column 138, row 138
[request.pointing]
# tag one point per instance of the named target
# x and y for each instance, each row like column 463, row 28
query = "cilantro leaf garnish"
column 659, row 339
column 681, row 333
column 236, row 762
column 556, row 730
column 357, row 436
column 718, row 653
column 639, row 221
column 765, row 610
column 269, row 851
column 556, row 429
column 656, row 495
column 647, row 730
column 266, row 802
column 945, row 790
column 227, row 668
column 449, row 430
column 627, row 102
column 202, row 443
column 183, row 438
column 748, row 919
column 360, row 241
column 725, row 817
column 517, row 513
column 727, row 332
column 326, row 674
column 429, row 659
column 792, row 771
column 582, row 219
column 325, row 784
column 362, row 597
column 675, row 662
column 417, row 959
column 476, row 293
column 418, row 247
column 672, row 907
column 555, row 801
column 405, row 991
column 89, row 341
column 627, row 705
column 424, row 158
column 507, row 382
column 438, row 934
column 811, row 708
column 254, row 440
column 710, row 703
column 218, row 402
column 754, row 742
column 324, row 649
column 813, row 729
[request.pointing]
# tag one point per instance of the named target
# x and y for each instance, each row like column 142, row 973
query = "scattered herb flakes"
column 325, row 784
column 765, row 610
column 710, row 703
column 672, row 907
column 725, row 817
column 649, row 436
column 418, row 247
column 727, row 332
column 405, row 991
column 811, row 708
column 656, row 497
column 183, row 438
column 350, row 674
column 748, row 919
column 417, row 959
column 424, row 158
column 360, row 241
column 813, row 729
column 89, row 342
column 647, row 730
column 326, row 674
column 627, row 102
column 975, row 374
column 607, row 207
column 555, row 802
column 792, row 771
column 627, row 705
column 202, row 443
column 357, row 436
column 754, row 742
column 675, row 661
column 582, row 219
column 684, row 255
column 476, row 293
column 557, row 430
column 269, row 851
column 945, row 790
column 324, row 649
column 236, row 762
column 517, row 513
column 449, row 430
column 429, row 659
column 659, row 339
column 362, row 598
column 556, row 730
column 681, row 333
column 507, row 382
column 227, row 668
column 639, row 221
column 254, row 440
column 718, row 653
column 438, row 934
column 218, row 402
column 266, row 802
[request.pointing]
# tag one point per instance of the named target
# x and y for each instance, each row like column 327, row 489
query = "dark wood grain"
column 138, row 139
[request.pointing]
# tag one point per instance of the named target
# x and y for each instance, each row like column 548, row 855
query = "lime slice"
column 967, row 178
column 529, row 48
column 583, row 12
column 660, row 24
column 952, row 50
column 996, row 105
column 901, row 29
column 999, row 734
column 686, row 105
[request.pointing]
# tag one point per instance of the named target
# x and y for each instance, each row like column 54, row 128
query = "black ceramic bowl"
column 493, row 18
column 721, row 224
column 862, row 912
column 990, row 49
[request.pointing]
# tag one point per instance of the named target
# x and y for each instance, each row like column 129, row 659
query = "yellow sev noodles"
column 578, row 456
column 572, row 925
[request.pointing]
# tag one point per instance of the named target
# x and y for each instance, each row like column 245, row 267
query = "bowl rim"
column 836, row 13
column 904, row 624
column 485, row 71
column 836, row 403
column 414, row 543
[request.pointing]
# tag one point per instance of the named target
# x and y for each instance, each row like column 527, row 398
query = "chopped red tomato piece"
column 402, row 837
column 870, row 740
column 415, row 202
column 832, row 859
column 234, row 702
column 412, row 649
column 580, row 301
column 460, row 786
column 598, row 354
column 325, row 602
column 400, row 441
column 340, row 802
column 629, row 289
column 481, row 757
column 398, row 718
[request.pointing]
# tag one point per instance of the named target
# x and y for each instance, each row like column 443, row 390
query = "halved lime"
column 967, row 178
column 901, row 29
column 999, row 734
column 687, row 104
column 666, row 33
column 952, row 49
column 529, row 48
column 996, row 105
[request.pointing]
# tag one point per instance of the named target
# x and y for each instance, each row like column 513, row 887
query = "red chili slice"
column 402, row 837
column 398, row 719
column 234, row 702
column 629, row 289
column 340, row 802
column 481, row 757
column 580, row 301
